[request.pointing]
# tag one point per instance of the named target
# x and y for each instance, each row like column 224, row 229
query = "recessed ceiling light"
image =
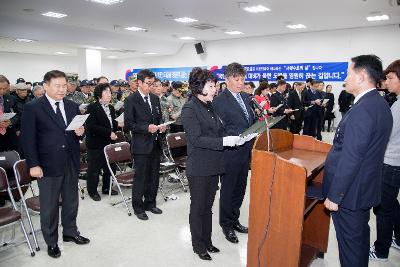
column 187, row 38
column 112, row 57
column 54, row 15
column 61, row 53
column 135, row 29
column 234, row 32
column 256, row 9
column 23, row 40
column 185, row 20
column 378, row 18
column 296, row 26
column 107, row 2
column 150, row 53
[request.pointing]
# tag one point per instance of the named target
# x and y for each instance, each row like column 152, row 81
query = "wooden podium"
column 287, row 228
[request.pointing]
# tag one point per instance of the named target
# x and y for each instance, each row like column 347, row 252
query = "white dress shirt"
column 61, row 105
column 362, row 94
column 148, row 99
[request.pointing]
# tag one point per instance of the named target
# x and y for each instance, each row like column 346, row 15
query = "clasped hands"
column 154, row 128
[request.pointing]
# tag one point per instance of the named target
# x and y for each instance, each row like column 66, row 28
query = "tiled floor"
column 163, row 240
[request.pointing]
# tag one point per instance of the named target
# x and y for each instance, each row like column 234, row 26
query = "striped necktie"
column 242, row 105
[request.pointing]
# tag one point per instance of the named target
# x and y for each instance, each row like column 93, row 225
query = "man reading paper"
column 52, row 156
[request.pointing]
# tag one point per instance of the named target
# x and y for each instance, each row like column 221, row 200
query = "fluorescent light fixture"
column 234, row 32
column 296, row 26
column 378, row 18
column 107, row 2
column 22, row 40
column 54, row 15
column 150, row 53
column 185, row 20
column 99, row 48
column 256, row 9
column 187, row 38
column 112, row 57
column 135, row 29
column 61, row 53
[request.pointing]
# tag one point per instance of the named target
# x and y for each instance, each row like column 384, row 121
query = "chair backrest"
column 120, row 137
column 8, row 158
column 175, row 140
column 22, row 175
column 3, row 180
column 118, row 153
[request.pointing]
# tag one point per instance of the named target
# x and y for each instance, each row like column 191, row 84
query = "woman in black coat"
column 100, row 131
column 329, row 115
column 205, row 160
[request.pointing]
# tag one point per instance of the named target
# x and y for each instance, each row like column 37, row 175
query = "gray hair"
column 37, row 87
column 234, row 69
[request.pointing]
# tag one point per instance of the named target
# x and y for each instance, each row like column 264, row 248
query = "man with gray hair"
column 38, row 91
column 233, row 108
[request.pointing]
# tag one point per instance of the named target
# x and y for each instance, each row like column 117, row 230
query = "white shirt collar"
column 52, row 101
column 143, row 95
column 362, row 94
column 233, row 93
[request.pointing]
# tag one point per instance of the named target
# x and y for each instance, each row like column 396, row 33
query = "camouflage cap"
column 72, row 79
column 132, row 78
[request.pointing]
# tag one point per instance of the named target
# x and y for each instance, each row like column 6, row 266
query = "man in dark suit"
column 295, row 102
column 142, row 118
column 52, row 156
column 233, row 108
column 279, row 99
column 353, row 168
column 8, row 138
column 313, row 104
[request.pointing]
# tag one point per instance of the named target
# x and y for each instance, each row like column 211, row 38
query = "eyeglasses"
column 150, row 83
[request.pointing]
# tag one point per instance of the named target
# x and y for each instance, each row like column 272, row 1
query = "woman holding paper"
column 205, row 162
column 100, row 126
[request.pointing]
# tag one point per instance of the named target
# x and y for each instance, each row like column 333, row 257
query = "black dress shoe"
column 78, row 239
column 240, row 228
column 230, row 235
column 113, row 192
column 142, row 216
column 204, row 256
column 95, row 197
column 155, row 210
column 54, row 251
column 212, row 249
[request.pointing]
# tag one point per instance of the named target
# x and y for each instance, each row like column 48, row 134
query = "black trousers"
column 8, row 141
column 388, row 212
column 352, row 233
column 96, row 163
column 146, row 180
column 202, row 195
column 310, row 125
column 320, row 124
column 295, row 126
column 50, row 189
column 233, row 185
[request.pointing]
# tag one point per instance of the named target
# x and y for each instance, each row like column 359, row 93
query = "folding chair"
column 116, row 154
column 24, row 179
column 7, row 160
column 178, row 141
column 9, row 216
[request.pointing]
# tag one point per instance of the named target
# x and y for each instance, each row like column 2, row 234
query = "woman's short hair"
column 261, row 87
column 394, row 67
column 98, row 90
column 198, row 78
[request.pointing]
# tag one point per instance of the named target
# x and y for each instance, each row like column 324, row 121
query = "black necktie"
column 146, row 99
column 58, row 113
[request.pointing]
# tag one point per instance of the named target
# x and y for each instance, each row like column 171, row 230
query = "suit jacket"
column 353, row 167
column 138, row 117
column 309, row 96
column 204, row 132
column 98, row 127
column 276, row 100
column 234, row 122
column 296, row 102
column 44, row 139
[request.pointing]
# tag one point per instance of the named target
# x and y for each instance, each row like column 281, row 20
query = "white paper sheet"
column 120, row 118
column 326, row 100
column 165, row 123
column 7, row 116
column 77, row 122
column 118, row 105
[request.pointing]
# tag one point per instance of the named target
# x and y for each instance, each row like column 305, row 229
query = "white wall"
column 33, row 67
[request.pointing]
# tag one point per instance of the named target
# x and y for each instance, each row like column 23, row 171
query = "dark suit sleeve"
column 113, row 117
column 356, row 140
column 194, row 134
column 13, row 108
column 290, row 101
column 130, row 118
column 92, row 124
column 28, row 138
